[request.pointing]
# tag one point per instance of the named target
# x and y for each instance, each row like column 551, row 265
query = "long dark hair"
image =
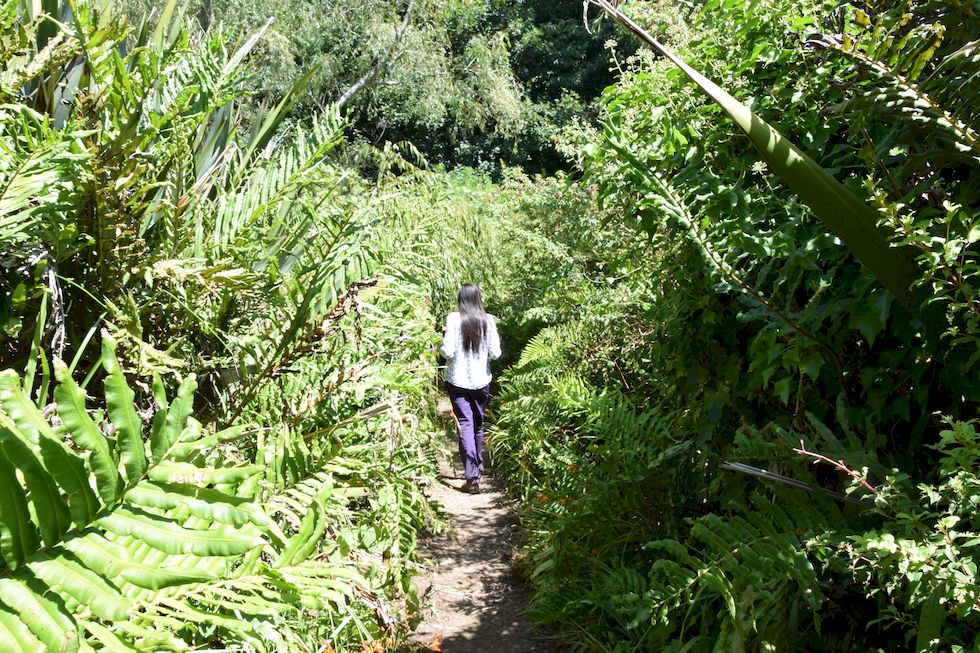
column 472, row 317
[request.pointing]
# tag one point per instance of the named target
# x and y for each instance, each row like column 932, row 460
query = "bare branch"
column 381, row 63
column 585, row 15
column 838, row 464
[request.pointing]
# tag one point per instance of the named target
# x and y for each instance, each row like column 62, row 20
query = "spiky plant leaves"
column 261, row 196
column 890, row 57
column 911, row 90
column 151, row 102
column 174, row 557
column 265, row 126
column 163, row 35
column 302, row 543
column 163, row 440
column 40, row 170
column 166, row 536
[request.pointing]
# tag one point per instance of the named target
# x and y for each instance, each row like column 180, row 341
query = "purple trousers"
column 469, row 407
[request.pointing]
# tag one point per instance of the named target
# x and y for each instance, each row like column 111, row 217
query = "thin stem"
column 838, row 464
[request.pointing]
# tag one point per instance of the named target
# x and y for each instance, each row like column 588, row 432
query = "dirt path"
column 476, row 600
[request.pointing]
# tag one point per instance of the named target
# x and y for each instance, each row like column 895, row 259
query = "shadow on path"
column 477, row 603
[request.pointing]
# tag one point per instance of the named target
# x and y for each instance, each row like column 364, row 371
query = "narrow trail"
column 476, row 601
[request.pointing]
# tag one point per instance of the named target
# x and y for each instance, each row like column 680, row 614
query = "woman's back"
column 467, row 368
column 470, row 343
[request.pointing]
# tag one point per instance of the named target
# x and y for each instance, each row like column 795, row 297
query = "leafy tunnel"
column 731, row 248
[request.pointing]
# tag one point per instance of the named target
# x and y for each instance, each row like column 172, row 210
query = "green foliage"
column 159, row 547
column 470, row 82
column 829, row 200
column 922, row 559
column 672, row 180
column 251, row 474
column 152, row 522
column 750, row 399
column 446, row 77
column 723, row 428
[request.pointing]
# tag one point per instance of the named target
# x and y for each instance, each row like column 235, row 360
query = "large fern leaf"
column 89, row 523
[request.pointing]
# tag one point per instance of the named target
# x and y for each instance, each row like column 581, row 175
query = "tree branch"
column 381, row 63
column 839, row 464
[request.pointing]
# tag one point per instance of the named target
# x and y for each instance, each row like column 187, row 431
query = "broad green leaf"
column 718, row 582
column 15, row 637
column 83, row 585
column 163, row 439
column 164, row 24
column 108, row 640
column 930, row 625
column 67, row 469
column 189, row 445
column 41, row 616
column 870, row 316
column 188, row 474
column 112, row 560
column 159, row 393
column 18, row 535
column 810, row 363
column 172, row 538
column 205, row 503
column 51, row 509
column 306, row 538
column 85, row 432
column 783, row 388
column 119, row 399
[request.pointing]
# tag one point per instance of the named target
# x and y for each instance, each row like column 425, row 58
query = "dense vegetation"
column 467, row 82
column 216, row 422
column 740, row 401
column 733, row 437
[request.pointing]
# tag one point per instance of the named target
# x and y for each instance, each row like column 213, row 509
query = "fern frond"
column 897, row 72
column 39, row 175
column 265, row 195
column 131, row 523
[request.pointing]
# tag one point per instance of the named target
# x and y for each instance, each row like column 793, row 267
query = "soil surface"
column 476, row 601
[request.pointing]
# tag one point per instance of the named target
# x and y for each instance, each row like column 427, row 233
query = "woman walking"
column 470, row 343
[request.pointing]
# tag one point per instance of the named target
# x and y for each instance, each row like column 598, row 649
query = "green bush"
column 724, row 392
